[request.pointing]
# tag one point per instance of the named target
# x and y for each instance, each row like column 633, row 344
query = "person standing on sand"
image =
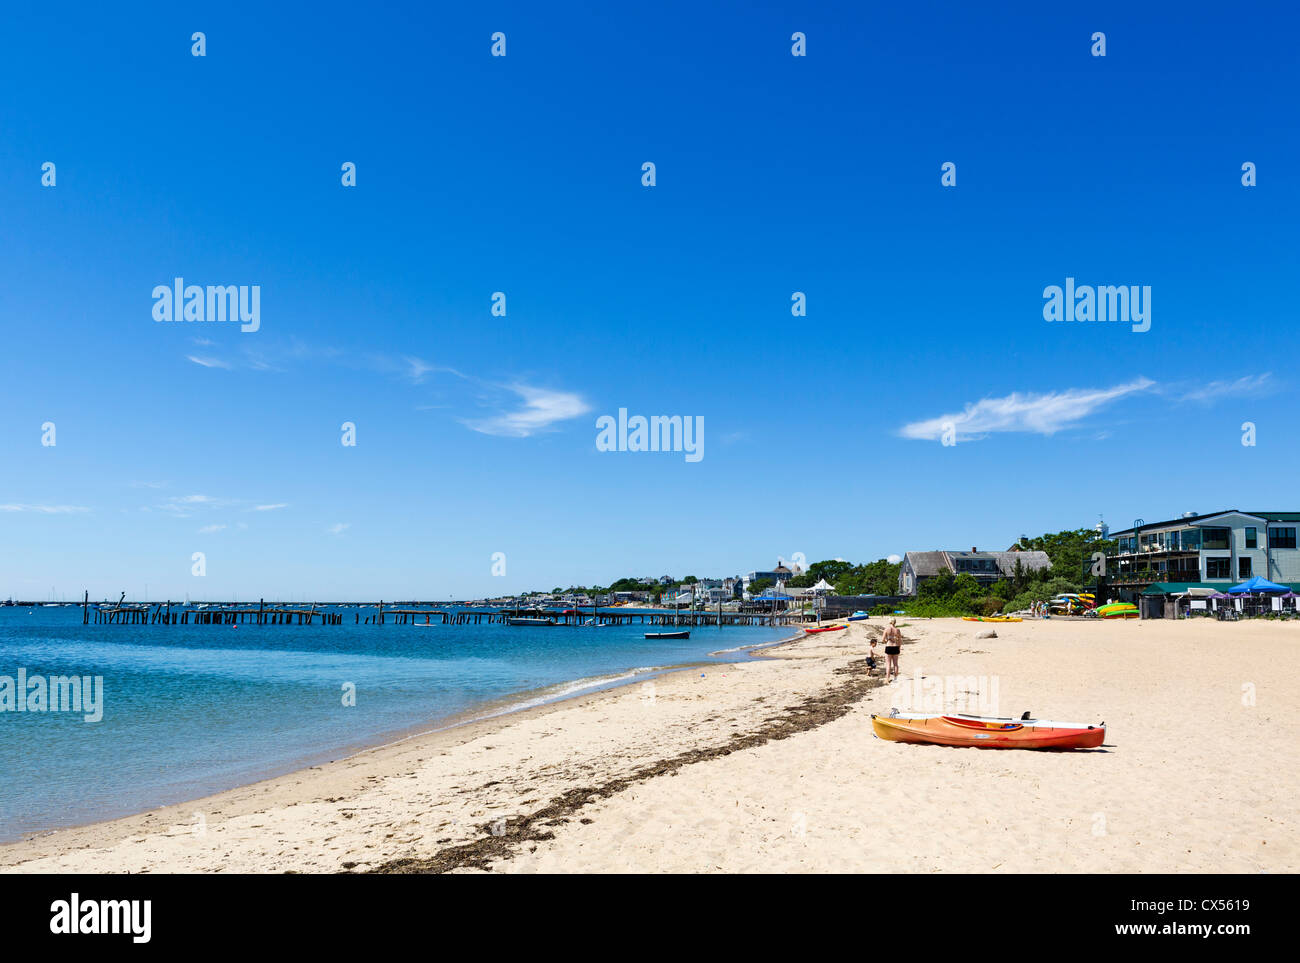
column 893, row 640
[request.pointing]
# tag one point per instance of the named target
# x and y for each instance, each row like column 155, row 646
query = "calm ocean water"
column 190, row 710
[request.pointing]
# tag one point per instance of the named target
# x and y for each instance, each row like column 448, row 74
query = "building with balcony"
column 1215, row 550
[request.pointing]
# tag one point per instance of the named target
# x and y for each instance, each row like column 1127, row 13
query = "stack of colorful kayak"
column 983, row 732
column 1072, row 603
column 1118, row 610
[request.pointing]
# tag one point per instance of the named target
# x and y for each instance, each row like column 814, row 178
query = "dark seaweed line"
column 519, row 830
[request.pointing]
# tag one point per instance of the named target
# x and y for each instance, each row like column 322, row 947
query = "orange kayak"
column 960, row 732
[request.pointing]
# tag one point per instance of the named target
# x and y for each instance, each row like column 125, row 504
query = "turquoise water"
column 189, row 709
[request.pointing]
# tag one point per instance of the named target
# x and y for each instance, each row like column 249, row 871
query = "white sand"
column 1191, row 779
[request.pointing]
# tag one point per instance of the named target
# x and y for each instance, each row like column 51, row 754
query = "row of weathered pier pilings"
column 560, row 618
column 165, row 613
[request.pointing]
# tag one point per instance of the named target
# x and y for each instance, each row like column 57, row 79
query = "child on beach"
column 871, row 658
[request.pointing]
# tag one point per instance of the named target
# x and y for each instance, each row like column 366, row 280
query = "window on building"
column 1281, row 538
column 1191, row 539
column 1216, row 538
column 1218, row 567
column 1252, row 538
column 1243, row 567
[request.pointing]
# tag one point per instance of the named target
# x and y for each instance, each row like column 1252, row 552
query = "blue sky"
column 775, row 174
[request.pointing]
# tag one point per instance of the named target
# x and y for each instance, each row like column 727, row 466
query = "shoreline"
column 529, row 701
column 769, row 764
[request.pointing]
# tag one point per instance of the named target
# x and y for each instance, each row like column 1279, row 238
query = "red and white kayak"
column 984, row 732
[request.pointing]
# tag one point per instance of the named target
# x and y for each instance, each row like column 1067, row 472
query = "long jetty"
column 377, row 613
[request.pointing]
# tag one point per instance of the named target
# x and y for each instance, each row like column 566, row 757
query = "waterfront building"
column 778, row 575
column 1216, row 550
column 985, row 567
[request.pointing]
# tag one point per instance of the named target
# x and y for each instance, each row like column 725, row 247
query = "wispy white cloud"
column 541, row 409
column 538, row 409
column 1041, row 414
column 45, row 509
column 209, row 362
column 258, row 361
column 146, row 484
column 417, row 368
column 338, row 527
column 1250, row 386
column 183, row 506
column 209, row 529
column 253, row 358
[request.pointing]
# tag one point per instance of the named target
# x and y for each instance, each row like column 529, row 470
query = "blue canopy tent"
column 773, row 599
column 1256, row 584
column 1252, row 593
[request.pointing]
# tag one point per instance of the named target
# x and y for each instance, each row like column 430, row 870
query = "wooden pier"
column 376, row 613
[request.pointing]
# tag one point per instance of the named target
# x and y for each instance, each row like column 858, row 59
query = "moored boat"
column 979, row 732
column 668, row 635
column 521, row 620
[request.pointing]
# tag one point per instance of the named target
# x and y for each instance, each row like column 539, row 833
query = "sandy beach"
column 770, row 765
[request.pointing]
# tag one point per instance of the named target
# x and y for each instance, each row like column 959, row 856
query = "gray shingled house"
column 985, row 567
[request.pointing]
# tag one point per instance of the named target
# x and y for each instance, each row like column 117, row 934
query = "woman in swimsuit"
column 893, row 646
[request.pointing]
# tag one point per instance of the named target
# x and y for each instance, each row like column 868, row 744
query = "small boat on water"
column 521, row 620
column 858, row 616
column 668, row 635
column 824, row 628
column 983, row 732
